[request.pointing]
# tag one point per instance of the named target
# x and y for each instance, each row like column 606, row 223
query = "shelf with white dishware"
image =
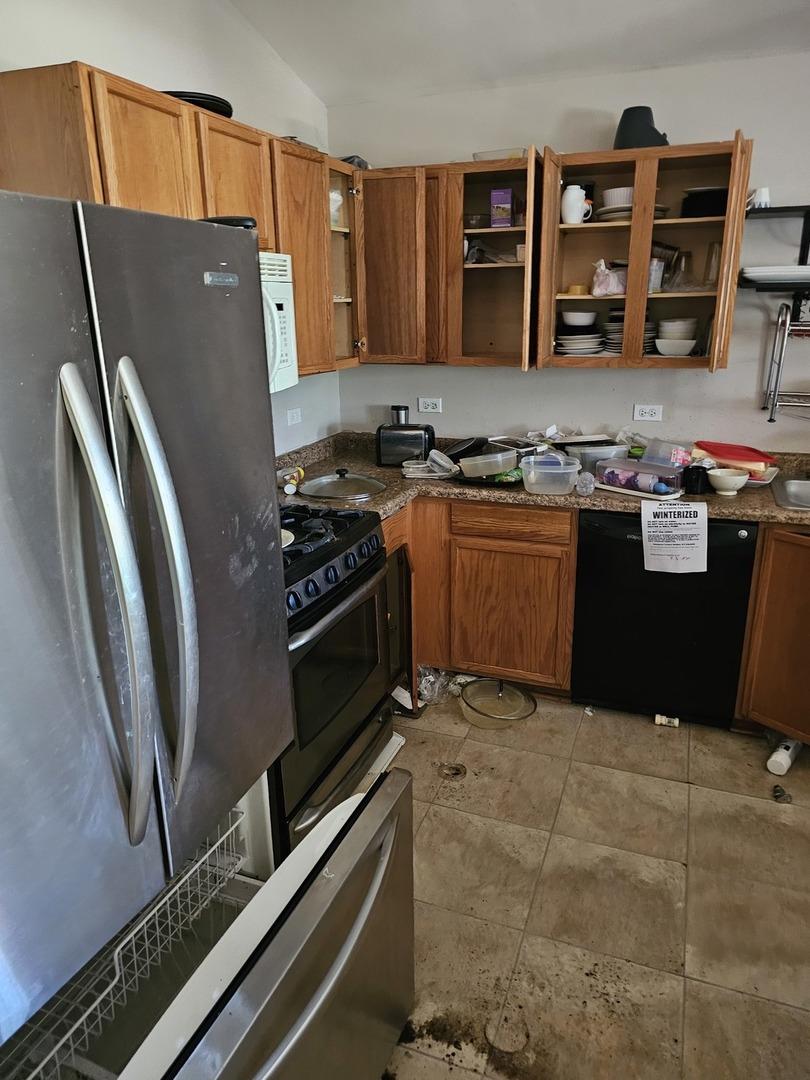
column 658, row 223
column 650, row 296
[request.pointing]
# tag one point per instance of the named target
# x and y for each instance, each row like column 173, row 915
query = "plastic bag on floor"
column 433, row 686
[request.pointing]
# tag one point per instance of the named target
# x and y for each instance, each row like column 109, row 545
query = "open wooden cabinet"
column 423, row 299
column 660, row 177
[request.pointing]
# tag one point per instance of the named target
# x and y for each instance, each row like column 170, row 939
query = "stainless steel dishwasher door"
column 331, row 991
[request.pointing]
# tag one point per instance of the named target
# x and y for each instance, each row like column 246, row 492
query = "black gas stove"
column 329, row 550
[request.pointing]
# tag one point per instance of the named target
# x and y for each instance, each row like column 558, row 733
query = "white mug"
column 760, row 198
column 573, row 207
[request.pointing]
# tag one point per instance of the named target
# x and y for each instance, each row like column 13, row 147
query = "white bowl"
column 617, row 196
column 728, row 481
column 579, row 318
column 677, row 324
column 677, row 335
column 674, row 346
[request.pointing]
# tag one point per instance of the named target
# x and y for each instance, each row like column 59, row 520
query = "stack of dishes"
column 624, row 211
column 614, row 334
column 767, row 274
column 578, row 334
column 571, row 344
column 676, row 337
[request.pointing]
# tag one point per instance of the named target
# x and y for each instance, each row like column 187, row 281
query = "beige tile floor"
column 601, row 899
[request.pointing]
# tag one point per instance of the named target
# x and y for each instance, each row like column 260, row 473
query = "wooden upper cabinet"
column 775, row 687
column 657, row 222
column 47, row 133
column 390, row 255
column 236, row 173
column 147, row 148
column 301, row 190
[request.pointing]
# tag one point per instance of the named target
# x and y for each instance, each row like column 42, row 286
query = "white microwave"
column 278, row 305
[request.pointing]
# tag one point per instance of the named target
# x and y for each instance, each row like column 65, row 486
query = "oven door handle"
column 304, row 637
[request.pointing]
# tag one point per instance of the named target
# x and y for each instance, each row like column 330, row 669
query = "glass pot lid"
column 497, row 699
column 341, row 484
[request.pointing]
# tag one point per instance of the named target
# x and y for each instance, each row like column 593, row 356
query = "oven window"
column 334, row 670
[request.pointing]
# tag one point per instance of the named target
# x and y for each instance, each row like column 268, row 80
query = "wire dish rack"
column 50, row 1045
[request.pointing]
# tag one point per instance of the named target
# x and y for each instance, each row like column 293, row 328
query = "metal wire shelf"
column 53, row 1039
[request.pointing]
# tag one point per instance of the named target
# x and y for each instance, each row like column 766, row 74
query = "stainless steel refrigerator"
column 144, row 677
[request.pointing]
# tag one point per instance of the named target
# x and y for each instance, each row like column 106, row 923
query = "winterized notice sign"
column 675, row 537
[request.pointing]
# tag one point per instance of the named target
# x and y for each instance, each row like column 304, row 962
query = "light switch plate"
column 430, row 404
column 293, row 417
column 648, row 412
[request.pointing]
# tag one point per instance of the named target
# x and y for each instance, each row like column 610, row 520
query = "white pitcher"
column 573, row 207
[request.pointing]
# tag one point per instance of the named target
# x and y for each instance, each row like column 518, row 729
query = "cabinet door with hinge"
column 390, row 253
column 730, row 252
column 511, row 609
column 147, row 147
column 548, row 278
column 776, row 690
column 236, row 176
column 301, row 190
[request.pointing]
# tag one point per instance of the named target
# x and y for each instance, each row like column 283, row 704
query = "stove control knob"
column 374, row 540
column 351, row 561
column 312, row 589
column 332, row 576
column 293, row 601
column 365, row 550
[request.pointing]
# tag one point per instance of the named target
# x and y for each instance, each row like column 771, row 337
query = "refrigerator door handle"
column 331, row 981
column 129, row 400
column 106, row 495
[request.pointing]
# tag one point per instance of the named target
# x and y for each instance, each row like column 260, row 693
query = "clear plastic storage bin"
column 640, row 475
column 550, row 474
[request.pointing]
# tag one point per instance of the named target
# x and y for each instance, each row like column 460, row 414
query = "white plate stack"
column 614, row 334
column 589, row 344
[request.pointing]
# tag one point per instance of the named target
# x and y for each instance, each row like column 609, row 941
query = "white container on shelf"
column 550, row 474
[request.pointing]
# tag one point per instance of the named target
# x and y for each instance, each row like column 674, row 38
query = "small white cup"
column 759, row 198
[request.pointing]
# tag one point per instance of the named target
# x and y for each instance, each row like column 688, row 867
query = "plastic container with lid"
column 550, row 474
column 667, row 453
column 641, row 475
column 590, row 455
column 489, row 464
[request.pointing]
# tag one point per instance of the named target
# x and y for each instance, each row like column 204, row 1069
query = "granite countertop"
column 355, row 451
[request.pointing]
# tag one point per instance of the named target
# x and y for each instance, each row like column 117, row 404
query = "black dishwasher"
column 650, row 642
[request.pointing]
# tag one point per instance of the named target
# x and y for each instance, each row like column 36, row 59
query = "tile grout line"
column 534, row 889
column 686, row 894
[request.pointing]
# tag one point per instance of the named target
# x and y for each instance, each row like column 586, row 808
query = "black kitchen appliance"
column 400, row 441
column 652, row 642
column 341, row 606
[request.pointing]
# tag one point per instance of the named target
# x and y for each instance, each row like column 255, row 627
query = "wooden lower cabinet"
column 776, row 689
column 493, row 588
column 509, row 609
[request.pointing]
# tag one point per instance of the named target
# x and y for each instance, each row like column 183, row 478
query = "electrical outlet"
column 293, row 417
column 648, row 412
column 430, row 404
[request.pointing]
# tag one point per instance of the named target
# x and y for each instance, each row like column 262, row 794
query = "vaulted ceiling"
column 350, row 51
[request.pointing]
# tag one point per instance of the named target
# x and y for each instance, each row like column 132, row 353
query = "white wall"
column 202, row 45
column 318, row 398
column 766, row 97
